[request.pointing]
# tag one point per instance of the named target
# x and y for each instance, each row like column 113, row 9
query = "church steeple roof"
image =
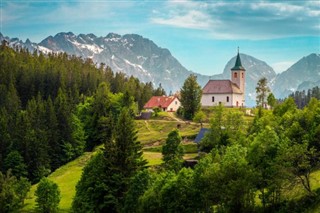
column 238, row 65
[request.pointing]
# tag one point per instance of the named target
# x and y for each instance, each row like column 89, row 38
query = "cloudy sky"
column 202, row 35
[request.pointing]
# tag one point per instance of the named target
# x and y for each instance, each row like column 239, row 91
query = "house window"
column 227, row 98
column 176, row 102
column 235, row 75
column 212, row 98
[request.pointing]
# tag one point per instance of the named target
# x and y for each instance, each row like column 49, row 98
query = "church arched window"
column 242, row 75
column 235, row 75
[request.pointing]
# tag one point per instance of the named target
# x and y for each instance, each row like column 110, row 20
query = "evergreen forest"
column 303, row 97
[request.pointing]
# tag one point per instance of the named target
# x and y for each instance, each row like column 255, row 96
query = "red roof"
column 159, row 101
column 221, row 87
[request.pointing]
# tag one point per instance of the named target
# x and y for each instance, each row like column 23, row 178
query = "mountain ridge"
column 305, row 70
column 141, row 57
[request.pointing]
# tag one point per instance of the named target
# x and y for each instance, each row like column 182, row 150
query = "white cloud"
column 63, row 12
column 277, row 7
column 74, row 12
column 281, row 66
column 192, row 19
column 242, row 19
column 12, row 12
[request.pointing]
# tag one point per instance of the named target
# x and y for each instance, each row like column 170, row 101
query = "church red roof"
column 221, row 87
column 159, row 101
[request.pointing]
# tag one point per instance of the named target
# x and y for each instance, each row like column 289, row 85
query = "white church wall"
column 206, row 100
column 238, row 98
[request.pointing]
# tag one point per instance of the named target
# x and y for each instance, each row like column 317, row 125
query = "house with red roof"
column 230, row 93
column 165, row 103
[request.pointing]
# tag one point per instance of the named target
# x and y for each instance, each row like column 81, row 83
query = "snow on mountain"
column 142, row 58
column 304, row 74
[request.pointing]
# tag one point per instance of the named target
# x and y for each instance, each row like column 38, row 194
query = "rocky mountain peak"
column 141, row 57
column 113, row 35
column 304, row 72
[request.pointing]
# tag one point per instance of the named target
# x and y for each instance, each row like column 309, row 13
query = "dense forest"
column 243, row 167
column 54, row 107
column 302, row 98
column 51, row 108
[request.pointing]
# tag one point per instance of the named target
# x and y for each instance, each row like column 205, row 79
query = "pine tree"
column 271, row 100
column 159, row 91
column 191, row 93
column 13, row 191
column 262, row 91
column 53, row 135
column 15, row 162
column 106, row 178
column 127, row 148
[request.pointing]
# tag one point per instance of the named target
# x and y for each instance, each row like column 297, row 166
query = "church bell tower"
column 238, row 74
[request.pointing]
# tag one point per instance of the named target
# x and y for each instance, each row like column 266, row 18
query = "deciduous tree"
column 262, row 91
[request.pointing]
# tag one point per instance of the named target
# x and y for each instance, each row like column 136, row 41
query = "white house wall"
column 174, row 106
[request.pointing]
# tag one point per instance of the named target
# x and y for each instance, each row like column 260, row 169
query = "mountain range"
column 142, row 58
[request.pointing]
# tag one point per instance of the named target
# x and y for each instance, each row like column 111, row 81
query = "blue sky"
column 202, row 35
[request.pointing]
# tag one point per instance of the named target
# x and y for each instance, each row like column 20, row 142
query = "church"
column 229, row 93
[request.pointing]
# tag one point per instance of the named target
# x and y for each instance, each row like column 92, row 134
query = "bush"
column 48, row 196
column 156, row 111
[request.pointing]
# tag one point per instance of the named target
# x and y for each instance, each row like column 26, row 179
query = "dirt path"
column 174, row 117
column 147, row 125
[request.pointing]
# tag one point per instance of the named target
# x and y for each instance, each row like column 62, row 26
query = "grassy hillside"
column 156, row 131
column 68, row 175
